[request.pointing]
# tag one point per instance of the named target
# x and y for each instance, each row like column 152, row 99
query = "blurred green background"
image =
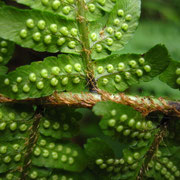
column 159, row 23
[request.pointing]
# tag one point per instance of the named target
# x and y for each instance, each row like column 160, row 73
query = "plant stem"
column 150, row 154
column 88, row 100
column 86, row 50
column 30, row 145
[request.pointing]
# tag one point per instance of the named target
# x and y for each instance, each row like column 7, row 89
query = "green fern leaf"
column 107, row 166
column 60, row 123
column 67, row 8
column 118, row 72
column 6, row 51
column 3, row 70
column 44, row 31
column 113, row 32
column 51, row 154
column 123, row 122
column 43, row 78
column 93, row 149
column 15, row 120
column 33, row 173
column 15, row 130
column 165, row 163
column 38, row 30
column 171, row 75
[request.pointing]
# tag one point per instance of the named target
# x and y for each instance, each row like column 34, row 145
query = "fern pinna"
column 42, row 135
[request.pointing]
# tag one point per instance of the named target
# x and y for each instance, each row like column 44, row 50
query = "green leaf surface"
column 85, row 175
column 41, row 31
column 15, row 120
column 47, row 173
column 15, row 124
column 43, row 78
column 3, row 70
column 171, row 75
column 9, row 175
column 124, row 123
column 67, row 8
column 165, row 164
column 60, row 155
column 106, row 166
column 118, row 72
column 96, row 149
column 6, row 51
column 60, row 123
column 10, row 156
column 33, row 173
column 119, row 27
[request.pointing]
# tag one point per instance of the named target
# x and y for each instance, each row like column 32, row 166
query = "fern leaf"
column 171, row 75
column 38, row 30
column 60, row 123
column 111, row 33
column 6, row 51
column 60, row 155
column 43, row 78
column 118, row 72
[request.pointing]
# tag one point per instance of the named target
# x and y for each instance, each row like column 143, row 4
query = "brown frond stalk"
column 145, row 105
column 30, row 145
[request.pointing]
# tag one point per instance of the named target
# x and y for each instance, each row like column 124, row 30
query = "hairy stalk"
column 153, row 149
column 30, row 145
column 88, row 100
column 86, row 50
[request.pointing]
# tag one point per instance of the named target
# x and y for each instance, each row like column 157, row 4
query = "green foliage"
column 40, row 31
column 171, row 75
column 41, row 142
column 59, row 155
column 155, row 88
column 6, row 51
column 66, row 9
column 118, row 72
column 15, row 120
column 114, row 31
column 162, row 165
column 106, row 166
column 15, row 128
column 124, row 122
column 43, row 78
column 3, row 70
column 68, row 73
column 165, row 163
column 44, row 31
column 60, row 123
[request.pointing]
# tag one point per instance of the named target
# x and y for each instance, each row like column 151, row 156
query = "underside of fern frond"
column 41, row 141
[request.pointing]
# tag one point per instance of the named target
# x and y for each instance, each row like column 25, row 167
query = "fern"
column 41, row 136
